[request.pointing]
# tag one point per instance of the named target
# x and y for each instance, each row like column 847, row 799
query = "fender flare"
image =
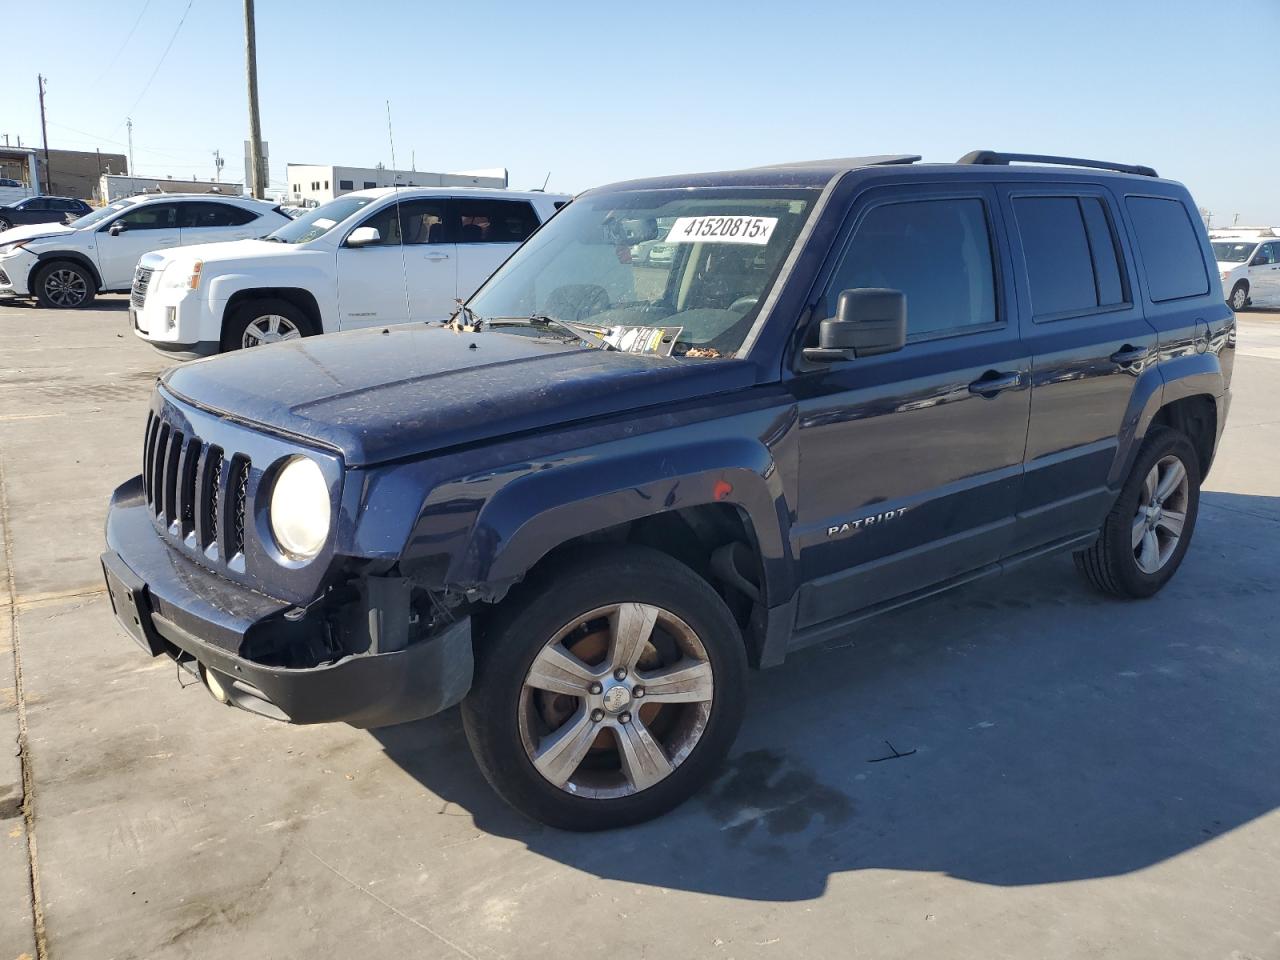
column 75, row 256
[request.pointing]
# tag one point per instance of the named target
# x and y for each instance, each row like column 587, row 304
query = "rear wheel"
column 1239, row 296
column 64, row 285
column 260, row 322
column 1146, row 535
column 607, row 691
column 4, row 225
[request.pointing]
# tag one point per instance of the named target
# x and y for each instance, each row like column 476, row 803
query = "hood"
column 34, row 231
column 225, row 252
column 378, row 395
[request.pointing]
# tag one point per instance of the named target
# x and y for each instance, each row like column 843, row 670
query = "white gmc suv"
column 368, row 258
column 66, row 266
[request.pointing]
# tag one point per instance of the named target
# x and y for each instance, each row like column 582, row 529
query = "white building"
column 311, row 183
column 113, row 186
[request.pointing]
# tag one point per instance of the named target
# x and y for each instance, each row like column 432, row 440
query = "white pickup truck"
column 367, row 258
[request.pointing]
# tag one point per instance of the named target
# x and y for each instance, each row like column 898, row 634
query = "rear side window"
column 494, row 221
column 1170, row 248
column 203, row 214
column 1070, row 252
column 937, row 252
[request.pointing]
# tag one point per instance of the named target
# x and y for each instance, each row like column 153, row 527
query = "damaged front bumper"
column 171, row 606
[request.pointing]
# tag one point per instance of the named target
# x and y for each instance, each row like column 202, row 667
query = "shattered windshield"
column 680, row 272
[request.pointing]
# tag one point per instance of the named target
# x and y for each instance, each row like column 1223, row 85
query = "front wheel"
column 1239, row 296
column 607, row 690
column 260, row 322
column 1146, row 535
column 64, row 285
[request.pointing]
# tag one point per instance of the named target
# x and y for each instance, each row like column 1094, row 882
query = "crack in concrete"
column 24, row 753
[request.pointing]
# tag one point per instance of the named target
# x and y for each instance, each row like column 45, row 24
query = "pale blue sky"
column 595, row 92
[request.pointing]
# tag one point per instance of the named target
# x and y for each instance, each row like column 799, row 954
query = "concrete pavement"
column 1089, row 777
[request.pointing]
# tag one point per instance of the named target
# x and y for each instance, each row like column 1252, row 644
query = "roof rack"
column 878, row 160
column 995, row 157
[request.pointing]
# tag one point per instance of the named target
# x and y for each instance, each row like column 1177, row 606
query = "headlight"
column 9, row 248
column 300, row 509
column 183, row 276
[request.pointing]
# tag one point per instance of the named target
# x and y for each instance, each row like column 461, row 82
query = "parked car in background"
column 368, row 258
column 584, row 512
column 42, row 210
column 1249, row 267
column 9, row 182
column 67, row 266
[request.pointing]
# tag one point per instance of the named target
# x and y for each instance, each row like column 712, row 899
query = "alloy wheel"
column 616, row 701
column 1162, row 512
column 65, row 288
column 270, row 328
column 1239, row 298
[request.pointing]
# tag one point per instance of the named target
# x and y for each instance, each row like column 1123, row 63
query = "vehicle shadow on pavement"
column 1042, row 733
column 101, row 302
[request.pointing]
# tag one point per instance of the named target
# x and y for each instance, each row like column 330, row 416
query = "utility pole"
column 217, row 166
column 257, row 178
column 129, row 123
column 44, row 133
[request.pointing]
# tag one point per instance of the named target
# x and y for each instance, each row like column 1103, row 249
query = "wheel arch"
column 54, row 256
column 298, row 297
column 1196, row 417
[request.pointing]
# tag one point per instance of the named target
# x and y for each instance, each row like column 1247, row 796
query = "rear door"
column 143, row 228
column 1090, row 344
column 208, row 221
column 911, row 462
column 487, row 232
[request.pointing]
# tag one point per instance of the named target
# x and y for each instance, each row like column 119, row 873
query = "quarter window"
column 937, row 252
column 494, row 221
column 1070, row 253
column 1170, row 248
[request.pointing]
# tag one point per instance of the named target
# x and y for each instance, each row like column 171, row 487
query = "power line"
column 120, row 49
column 160, row 63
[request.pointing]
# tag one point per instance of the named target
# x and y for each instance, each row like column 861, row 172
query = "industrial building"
column 70, row 173
column 311, row 184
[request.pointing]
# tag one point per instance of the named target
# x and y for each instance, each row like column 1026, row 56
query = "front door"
column 911, row 462
column 371, row 278
column 1264, row 274
column 488, row 231
column 1091, row 345
column 431, row 258
column 139, row 230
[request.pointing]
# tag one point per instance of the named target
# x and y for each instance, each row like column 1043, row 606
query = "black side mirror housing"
column 117, row 228
column 868, row 321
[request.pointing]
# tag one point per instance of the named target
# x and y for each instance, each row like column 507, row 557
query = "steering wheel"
column 743, row 304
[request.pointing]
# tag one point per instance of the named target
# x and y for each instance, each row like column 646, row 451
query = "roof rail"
column 878, row 160
column 996, row 157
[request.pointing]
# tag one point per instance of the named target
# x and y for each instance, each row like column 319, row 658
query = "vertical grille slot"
column 238, row 488
column 148, row 445
column 210, row 487
column 169, row 489
column 156, row 461
column 187, row 464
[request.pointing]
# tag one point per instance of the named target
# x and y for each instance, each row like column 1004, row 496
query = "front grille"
column 182, row 479
column 141, row 280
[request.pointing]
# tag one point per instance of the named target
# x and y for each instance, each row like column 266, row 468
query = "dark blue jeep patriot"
column 693, row 424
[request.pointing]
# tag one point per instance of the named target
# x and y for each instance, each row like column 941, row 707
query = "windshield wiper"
column 594, row 336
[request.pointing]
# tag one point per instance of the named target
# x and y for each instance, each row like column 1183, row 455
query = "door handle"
column 435, row 257
column 995, row 381
column 1128, row 355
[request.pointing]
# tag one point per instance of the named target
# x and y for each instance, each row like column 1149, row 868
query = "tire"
column 1239, row 296
column 506, row 720
column 1121, row 561
column 264, row 315
column 64, row 285
column 5, row 225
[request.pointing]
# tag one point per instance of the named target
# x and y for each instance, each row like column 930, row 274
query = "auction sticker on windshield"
column 735, row 229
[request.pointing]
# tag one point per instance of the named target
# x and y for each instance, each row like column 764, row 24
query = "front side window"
column 36, row 204
column 319, row 221
column 1070, row 253
column 699, row 262
column 494, row 221
column 152, row 216
column 937, row 252
column 1170, row 248
column 1267, row 253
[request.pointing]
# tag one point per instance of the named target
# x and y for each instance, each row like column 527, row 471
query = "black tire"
column 64, row 285
column 1239, row 298
column 5, row 225
column 1110, row 563
column 534, row 612
column 235, row 326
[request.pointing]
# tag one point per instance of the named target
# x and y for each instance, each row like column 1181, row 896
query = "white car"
column 67, row 266
column 1250, row 269
column 368, row 258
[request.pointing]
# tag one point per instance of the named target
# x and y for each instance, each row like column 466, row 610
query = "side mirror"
column 117, row 228
column 1259, row 261
column 868, row 321
column 363, row 236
